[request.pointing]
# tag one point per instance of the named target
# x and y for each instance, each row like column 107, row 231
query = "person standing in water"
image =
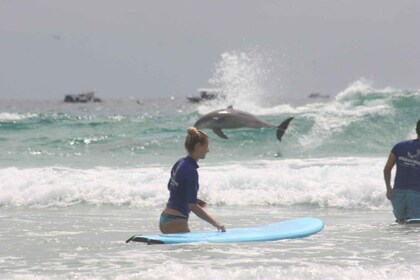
column 183, row 187
column 405, row 195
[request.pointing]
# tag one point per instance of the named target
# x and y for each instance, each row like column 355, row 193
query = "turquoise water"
column 122, row 133
column 76, row 180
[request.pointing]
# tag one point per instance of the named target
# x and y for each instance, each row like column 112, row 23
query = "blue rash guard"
column 408, row 165
column 183, row 185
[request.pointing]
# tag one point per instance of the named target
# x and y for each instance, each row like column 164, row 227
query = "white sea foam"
column 304, row 271
column 271, row 271
column 64, row 187
column 5, row 116
column 325, row 182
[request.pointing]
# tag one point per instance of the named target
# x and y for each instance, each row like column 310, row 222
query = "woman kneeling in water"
column 183, row 187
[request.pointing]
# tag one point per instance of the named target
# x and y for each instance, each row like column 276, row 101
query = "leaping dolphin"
column 231, row 118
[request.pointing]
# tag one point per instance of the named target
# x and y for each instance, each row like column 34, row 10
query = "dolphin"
column 231, row 118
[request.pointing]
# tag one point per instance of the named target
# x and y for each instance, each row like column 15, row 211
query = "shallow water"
column 89, row 242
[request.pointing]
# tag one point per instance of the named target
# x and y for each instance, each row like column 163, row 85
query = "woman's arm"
column 201, row 213
column 387, row 174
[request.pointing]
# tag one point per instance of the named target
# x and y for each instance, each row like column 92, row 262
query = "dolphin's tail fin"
column 281, row 129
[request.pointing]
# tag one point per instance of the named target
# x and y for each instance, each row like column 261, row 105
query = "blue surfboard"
column 294, row 228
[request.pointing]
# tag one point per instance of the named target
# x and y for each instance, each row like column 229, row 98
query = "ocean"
column 77, row 180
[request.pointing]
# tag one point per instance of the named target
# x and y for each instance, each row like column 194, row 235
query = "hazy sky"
column 170, row 48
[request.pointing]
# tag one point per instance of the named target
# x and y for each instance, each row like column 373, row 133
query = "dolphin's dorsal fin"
column 220, row 133
column 230, row 107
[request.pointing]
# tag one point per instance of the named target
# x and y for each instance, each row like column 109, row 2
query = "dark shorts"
column 164, row 218
column 406, row 203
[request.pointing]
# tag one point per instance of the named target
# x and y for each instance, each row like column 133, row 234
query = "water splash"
column 247, row 79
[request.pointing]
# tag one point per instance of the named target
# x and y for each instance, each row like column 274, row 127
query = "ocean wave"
column 358, row 98
column 361, row 116
column 8, row 117
column 324, row 182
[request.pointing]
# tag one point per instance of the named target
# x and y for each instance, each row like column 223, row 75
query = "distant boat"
column 205, row 94
column 318, row 95
column 84, row 97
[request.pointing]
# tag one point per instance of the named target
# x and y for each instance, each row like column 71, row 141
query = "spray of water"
column 247, row 79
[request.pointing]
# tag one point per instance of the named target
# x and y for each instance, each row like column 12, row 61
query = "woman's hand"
column 220, row 227
column 389, row 194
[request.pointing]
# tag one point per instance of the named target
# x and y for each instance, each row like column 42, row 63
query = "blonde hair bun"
column 194, row 136
column 192, row 131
